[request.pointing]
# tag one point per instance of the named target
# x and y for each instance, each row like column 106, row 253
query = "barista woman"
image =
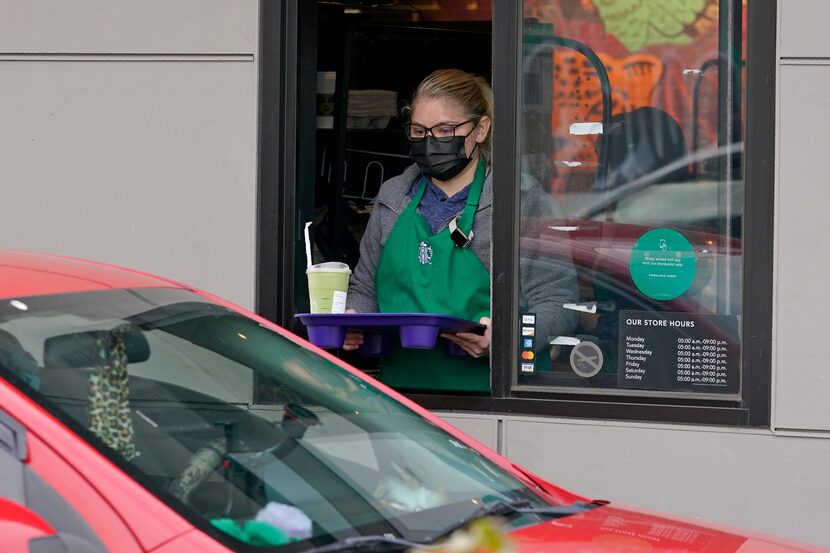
column 426, row 248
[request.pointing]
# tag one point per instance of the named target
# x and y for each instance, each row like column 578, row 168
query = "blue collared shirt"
column 436, row 207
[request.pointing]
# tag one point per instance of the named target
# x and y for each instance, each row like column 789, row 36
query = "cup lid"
column 329, row 266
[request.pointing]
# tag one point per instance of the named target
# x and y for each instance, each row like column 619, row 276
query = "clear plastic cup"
column 328, row 284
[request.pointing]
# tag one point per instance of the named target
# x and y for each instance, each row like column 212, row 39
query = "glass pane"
column 632, row 195
column 161, row 379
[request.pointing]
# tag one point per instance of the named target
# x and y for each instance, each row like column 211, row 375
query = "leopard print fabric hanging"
column 109, row 394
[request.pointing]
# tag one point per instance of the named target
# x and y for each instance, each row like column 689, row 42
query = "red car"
column 127, row 423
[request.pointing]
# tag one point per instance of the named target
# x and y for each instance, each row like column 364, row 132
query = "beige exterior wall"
column 802, row 253
column 129, row 135
column 130, row 27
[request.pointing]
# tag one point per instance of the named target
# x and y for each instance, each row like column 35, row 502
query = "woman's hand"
column 353, row 340
column 475, row 345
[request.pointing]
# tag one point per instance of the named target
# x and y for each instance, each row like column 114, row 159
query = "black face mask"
column 442, row 160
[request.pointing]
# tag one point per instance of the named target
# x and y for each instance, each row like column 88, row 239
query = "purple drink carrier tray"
column 414, row 330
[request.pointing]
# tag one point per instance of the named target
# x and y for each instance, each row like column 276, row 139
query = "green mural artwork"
column 641, row 23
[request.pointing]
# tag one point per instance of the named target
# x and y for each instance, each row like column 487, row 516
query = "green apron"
column 421, row 272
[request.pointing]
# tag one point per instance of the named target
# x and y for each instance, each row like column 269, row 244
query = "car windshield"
column 161, row 381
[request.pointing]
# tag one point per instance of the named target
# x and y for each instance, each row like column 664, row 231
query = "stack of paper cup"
column 326, row 82
column 328, row 284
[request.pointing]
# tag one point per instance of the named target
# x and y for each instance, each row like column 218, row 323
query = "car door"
column 40, row 461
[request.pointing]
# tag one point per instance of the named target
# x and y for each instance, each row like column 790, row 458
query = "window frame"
column 752, row 407
column 280, row 204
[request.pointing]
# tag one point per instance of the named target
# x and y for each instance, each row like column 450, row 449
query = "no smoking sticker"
column 586, row 359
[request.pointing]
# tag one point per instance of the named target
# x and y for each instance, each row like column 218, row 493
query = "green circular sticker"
column 662, row 264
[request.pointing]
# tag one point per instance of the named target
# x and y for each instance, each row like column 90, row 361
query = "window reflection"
column 632, row 129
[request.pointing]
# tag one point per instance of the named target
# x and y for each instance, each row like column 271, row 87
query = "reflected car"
column 596, row 231
column 128, row 423
column 600, row 254
column 701, row 200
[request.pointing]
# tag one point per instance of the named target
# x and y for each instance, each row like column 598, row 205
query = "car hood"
column 614, row 529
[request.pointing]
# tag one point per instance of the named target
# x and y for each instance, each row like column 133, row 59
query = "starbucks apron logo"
column 424, row 253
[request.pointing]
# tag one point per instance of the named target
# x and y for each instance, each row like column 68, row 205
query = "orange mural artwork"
column 654, row 58
column 577, row 98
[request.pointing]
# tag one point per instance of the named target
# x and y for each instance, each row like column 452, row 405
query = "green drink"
column 328, row 284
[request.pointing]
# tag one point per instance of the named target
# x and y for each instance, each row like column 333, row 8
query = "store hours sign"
column 679, row 352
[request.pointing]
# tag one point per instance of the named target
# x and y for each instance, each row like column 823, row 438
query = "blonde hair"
column 471, row 91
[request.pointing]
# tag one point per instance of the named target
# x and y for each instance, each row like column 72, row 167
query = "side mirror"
column 81, row 349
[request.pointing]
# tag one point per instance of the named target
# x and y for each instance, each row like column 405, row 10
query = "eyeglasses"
column 442, row 132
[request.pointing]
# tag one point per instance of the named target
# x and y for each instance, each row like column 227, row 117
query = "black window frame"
column 280, row 99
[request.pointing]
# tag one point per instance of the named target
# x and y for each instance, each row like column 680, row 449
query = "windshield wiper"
column 521, row 507
column 378, row 543
column 389, row 544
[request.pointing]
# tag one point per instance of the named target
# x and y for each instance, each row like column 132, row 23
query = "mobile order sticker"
column 662, row 264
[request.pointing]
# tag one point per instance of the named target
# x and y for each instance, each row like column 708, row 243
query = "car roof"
column 34, row 274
